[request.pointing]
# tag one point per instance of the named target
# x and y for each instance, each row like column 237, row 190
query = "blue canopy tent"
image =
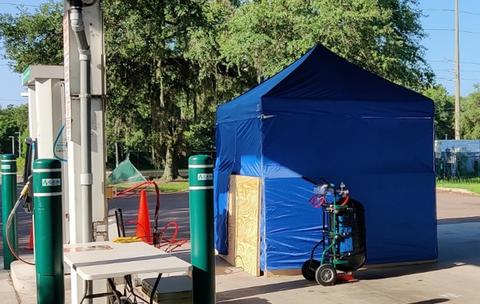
column 325, row 117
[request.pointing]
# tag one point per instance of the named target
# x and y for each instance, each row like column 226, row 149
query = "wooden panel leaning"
column 244, row 223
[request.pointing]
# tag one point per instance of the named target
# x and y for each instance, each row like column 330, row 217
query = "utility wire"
column 450, row 60
column 450, row 79
column 18, row 4
column 9, row 99
column 451, row 70
column 451, row 30
column 450, row 10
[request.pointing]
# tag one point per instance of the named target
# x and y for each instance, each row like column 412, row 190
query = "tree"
column 380, row 35
column 217, row 79
column 33, row 38
column 444, row 111
column 171, row 63
column 146, row 42
column 471, row 115
column 12, row 119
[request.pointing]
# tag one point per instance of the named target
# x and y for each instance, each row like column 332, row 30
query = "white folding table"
column 108, row 260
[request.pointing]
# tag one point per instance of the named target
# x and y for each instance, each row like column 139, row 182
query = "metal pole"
column 116, row 154
column 457, row 74
column 47, row 189
column 19, row 145
column 200, row 168
column 13, row 144
column 86, row 148
column 76, row 20
column 9, row 194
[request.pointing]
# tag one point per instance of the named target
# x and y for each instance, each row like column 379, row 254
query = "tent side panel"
column 386, row 162
column 293, row 225
column 238, row 152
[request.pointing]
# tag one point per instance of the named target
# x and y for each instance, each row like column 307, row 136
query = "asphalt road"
column 173, row 207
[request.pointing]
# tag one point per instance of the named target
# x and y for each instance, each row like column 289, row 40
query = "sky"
column 438, row 22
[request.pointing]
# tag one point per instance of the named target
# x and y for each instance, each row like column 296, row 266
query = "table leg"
column 129, row 284
column 87, row 288
column 76, row 289
column 155, row 287
column 116, row 293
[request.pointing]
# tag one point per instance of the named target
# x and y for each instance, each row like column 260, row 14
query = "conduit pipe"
column 77, row 24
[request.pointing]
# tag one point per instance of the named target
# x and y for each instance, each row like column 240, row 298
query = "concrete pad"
column 454, row 279
column 7, row 292
column 455, row 207
column 24, row 281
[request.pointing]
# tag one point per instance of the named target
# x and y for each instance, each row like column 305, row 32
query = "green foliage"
column 200, row 136
column 171, row 63
column 471, row 115
column 471, row 184
column 380, row 35
column 164, row 187
column 12, row 120
column 444, row 111
column 33, row 38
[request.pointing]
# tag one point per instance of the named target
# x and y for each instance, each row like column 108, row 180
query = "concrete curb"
column 7, row 291
column 456, row 190
column 24, row 281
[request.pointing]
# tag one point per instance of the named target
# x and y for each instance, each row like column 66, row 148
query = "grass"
column 174, row 187
column 470, row 184
column 165, row 187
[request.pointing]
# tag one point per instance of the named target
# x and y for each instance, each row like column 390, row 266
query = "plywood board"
column 231, row 226
column 244, row 223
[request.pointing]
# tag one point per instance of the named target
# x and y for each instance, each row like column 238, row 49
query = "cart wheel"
column 308, row 269
column 326, row 275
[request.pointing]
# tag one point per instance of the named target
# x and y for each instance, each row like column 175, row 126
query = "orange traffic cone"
column 30, row 240
column 143, row 220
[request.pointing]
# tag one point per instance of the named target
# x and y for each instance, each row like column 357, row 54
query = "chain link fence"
column 457, row 159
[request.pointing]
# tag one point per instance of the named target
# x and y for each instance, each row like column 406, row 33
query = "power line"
column 450, row 61
column 10, row 99
column 17, row 4
column 451, row 70
column 452, row 30
column 451, row 10
column 450, row 79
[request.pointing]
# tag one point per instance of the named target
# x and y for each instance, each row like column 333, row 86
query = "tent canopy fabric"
column 324, row 117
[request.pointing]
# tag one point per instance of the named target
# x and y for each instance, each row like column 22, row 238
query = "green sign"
column 26, row 75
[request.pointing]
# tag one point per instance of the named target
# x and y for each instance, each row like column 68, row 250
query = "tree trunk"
column 170, row 172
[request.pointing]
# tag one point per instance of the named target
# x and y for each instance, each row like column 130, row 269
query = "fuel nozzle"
column 27, row 201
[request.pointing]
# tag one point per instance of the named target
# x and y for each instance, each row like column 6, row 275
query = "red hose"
column 347, row 198
column 158, row 237
column 171, row 242
column 12, row 251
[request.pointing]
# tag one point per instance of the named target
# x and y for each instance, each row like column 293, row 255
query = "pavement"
column 456, row 207
column 7, row 292
column 454, row 278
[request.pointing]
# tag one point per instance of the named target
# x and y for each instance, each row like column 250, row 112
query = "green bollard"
column 9, row 194
column 200, row 176
column 47, row 208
